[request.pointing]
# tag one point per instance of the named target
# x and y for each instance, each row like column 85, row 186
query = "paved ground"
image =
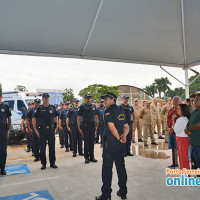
column 78, row 181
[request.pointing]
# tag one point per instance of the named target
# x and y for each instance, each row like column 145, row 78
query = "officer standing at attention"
column 29, row 124
column 29, row 137
column 148, row 124
column 46, row 116
column 73, row 129
column 116, row 130
column 100, row 130
column 61, row 134
column 5, row 126
column 138, row 121
column 88, row 112
column 63, row 127
column 128, row 111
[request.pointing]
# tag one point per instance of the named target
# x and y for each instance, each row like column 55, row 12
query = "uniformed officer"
column 116, row 130
column 77, row 138
column 95, row 103
column 128, row 111
column 156, row 117
column 61, row 133
column 161, row 115
column 46, row 116
column 138, row 121
column 29, row 124
column 143, row 103
column 67, row 139
column 100, row 130
column 88, row 112
column 146, row 115
column 165, row 111
column 29, row 137
column 5, row 126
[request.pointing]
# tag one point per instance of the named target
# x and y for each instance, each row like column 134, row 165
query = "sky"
column 59, row 73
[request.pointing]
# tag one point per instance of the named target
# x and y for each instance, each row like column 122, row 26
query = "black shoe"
column 140, row 140
column 102, row 198
column 172, row 166
column 62, row 146
column 154, row 143
column 28, row 150
column 81, row 154
column 54, row 166
column 43, row 167
column 67, row 150
column 33, row 154
column 3, row 172
column 74, row 155
column 93, row 160
column 97, row 142
column 161, row 137
column 36, row 159
column 86, row 161
column 145, row 144
column 71, row 149
column 133, row 141
column 129, row 154
column 166, row 141
column 125, row 155
column 163, row 132
column 155, row 133
column 122, row 196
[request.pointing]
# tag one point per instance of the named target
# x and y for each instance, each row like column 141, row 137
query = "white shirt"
column 180, row 126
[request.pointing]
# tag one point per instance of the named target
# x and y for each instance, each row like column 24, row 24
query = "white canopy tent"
column 155, row 32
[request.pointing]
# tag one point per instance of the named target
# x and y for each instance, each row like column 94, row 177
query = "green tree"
column 20, row 88
column 151, row 90
column 97, row 90
column 165, row 85
column 0, row 87
column 159, row 86
column 68, row 95
column 195, row 86
column 176, row 92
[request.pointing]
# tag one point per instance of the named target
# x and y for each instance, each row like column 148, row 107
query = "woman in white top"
column 181, row 138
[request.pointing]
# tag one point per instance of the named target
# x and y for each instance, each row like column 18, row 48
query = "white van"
column 18, row 101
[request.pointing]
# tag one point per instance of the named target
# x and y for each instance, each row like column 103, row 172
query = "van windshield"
column 29, row 101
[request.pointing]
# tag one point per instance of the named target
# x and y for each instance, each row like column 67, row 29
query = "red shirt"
column 172, row 112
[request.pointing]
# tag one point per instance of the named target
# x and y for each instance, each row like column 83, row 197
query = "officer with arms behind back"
column 116, row 130
column 46, row 116
column 88, row 112
column 5, row 125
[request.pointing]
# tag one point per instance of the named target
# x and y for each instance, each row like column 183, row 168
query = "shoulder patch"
column 107, row 114
column 121, row 117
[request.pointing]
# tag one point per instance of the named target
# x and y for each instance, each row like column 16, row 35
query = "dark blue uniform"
column 36, row 144
column 113, row 151
column 128, row 112
column 67, row 135
column 46, row 127
column 88, row 113
column 4, row 115
column 76, row 136
column 61, row 134
column 100, row 130
column 29, row 136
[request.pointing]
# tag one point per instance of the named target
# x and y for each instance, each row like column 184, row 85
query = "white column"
column 186, row 83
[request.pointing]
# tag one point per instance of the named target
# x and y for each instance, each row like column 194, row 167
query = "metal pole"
column 186, row 83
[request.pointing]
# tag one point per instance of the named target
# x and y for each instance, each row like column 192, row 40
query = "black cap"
column 45, row 95
column 111, row 95
column 95, row 101
column 37, row 100
column 125, row 97
column 76, row 99
column 67, row 102
column 0, row 93
column 30, row 104
column 86, row 96
column 56, row 105
column 101, row 101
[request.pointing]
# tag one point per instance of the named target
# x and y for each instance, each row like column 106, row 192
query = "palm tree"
column 159, row 86
column 151, row 90
column 165, row 85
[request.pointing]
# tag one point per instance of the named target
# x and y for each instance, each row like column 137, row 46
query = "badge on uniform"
column 93, row 108
column 2, row 110
column 51, row 111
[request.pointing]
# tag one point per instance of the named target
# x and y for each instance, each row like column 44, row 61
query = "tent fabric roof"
column 157, row 32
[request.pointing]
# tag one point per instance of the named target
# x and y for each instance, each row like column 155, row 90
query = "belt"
column 47, row 127
column 108, row 137
column 73, row 123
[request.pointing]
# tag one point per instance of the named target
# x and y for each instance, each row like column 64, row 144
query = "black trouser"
column 88, row 136
column 77, row 139
column 3, row 147
column 67, row 138
column 113, row 151
column 36, row 145
column 129, row 139
column 100, row 131
column 61, row 137
column 29, row 139
column 47, row 135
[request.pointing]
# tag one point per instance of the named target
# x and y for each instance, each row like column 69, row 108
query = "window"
column 10, row 104
column 21, row 106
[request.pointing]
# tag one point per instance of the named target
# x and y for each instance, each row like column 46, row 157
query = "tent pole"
column 186, row 83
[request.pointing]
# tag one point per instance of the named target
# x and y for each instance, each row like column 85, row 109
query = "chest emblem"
column 51, row 111
column 2, row 110
column 121, row 117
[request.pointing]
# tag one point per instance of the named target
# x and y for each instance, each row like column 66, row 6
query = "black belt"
column 47, row 127
column 108, row 137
